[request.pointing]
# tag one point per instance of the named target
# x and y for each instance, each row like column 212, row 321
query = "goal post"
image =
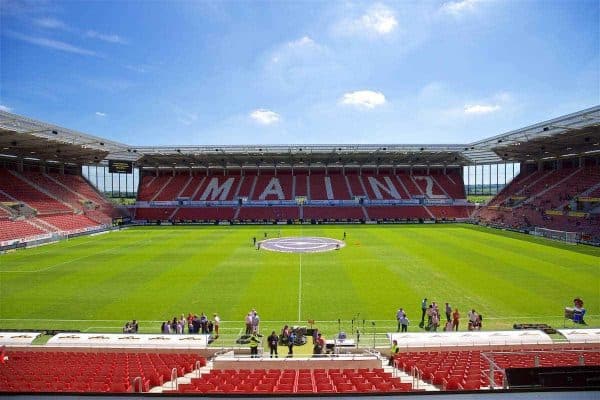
column 563, row 236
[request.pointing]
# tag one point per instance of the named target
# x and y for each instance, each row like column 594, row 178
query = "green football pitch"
column 95, row 284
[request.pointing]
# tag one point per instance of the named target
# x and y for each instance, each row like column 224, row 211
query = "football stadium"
column 299, row 270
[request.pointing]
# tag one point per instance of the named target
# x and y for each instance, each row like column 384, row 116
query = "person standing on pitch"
column 217, row 321
column 291, row 339
column 273, row 341
column 424, row 310
column 399, row 315
column 448, row 312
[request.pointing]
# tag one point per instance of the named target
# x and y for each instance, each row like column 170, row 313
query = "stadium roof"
column 571, row 135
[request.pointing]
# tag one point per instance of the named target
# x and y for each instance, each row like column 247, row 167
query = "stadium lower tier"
column 307, row 213
column 33, row 203
column 124, row 372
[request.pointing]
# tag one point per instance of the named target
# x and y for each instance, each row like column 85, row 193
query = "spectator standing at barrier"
column 319, row 345
column 254, row 341
column 255, row 322
column 472, row 315
column 448, row 312
column 217, row 322
column 399, row 315
column 424, row 311
column 455, row 319
column 393, row 352
column 204, row 323
column 291, row 339
column 273, row 341
column 404, row 322
column 249, row 323
column 435, row 321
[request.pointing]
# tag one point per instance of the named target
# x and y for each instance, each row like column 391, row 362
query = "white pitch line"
column 300, row 289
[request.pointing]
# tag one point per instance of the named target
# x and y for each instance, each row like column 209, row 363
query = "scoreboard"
column 120, row 167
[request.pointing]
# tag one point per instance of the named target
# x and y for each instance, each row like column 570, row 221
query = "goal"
column 564, row 236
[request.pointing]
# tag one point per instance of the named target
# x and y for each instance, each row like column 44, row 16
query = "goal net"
column 564, row 236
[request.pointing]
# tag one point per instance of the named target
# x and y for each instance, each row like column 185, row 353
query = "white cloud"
column 51, row 44
column 50, row 23
column 265, row 117
column 367, row 99
column 302, row 42
column 100, row 114
column 457, row 8
column 481, row 108
column 104, row 37
column 5, row 108
column 378, row 20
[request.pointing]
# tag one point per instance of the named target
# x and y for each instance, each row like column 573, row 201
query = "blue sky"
column 283, row 72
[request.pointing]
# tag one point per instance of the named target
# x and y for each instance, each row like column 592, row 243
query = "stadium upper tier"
column 317, row 185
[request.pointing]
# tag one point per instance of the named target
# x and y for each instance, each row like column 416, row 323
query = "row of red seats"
column 27, row 371
column 280, row 213
column 468, row 369
column 292, row 381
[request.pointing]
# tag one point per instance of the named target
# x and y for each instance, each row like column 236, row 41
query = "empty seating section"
column 150, row 185
column 411, row 186
column 354, row 180
column 301, row 185
column 303, row 381
column 4, row 214
column 340, row 187
column 268, row 213
column 452, row 184
column 287, row 185
column 204, row 213
column 10, row 230
column 55, row 189
column 19, row 189
column 69, row 222
column 470, row 370
column 189, row 188
column 318, row 186
column 75, row 372
column 248, row 185
column 318, row 189
column 173, row 188
column 397, row 212
column 382, row 187
column 545, row 199
column 333, row 213
column 153, row 214
column 450, row 212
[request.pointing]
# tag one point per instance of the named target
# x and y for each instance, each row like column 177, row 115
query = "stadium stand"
column 270, row 196
column 49, row 203
column 549, row 198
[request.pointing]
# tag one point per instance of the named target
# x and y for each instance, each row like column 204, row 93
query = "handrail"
column 174, row 382
column 137, row 379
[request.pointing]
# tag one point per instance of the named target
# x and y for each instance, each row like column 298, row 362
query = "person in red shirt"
column 455, row 319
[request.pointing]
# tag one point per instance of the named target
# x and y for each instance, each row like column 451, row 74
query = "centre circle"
column 303, row 244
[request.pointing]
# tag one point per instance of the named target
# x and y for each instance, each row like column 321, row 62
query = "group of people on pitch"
column 434, row 318
column 194, row 324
